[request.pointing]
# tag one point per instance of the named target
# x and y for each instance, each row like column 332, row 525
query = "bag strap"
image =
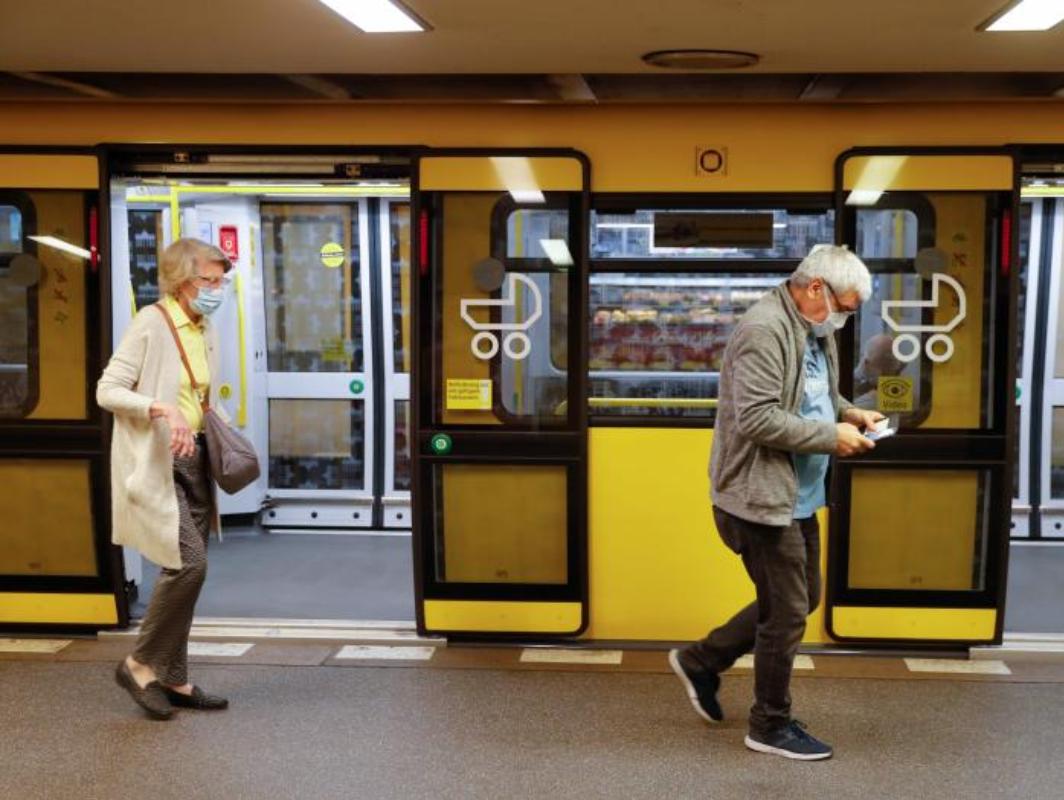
column 184, row 356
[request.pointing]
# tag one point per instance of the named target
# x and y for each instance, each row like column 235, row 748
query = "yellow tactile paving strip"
column 323, row 653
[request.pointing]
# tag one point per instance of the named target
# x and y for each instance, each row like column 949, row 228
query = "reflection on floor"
column 303, row 576
column 309, row 720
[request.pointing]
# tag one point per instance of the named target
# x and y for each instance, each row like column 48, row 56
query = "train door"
column 320, row 381
column 57, row 565
column 315, row 363
column 919, row 527
column 500, row 437
column 394, row 365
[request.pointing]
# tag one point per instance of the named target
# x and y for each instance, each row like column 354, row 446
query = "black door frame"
column 992, row 449
column 475, row 444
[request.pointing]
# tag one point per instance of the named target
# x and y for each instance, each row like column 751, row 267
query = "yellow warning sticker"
column 332, row 254
column 894, row 394
column 468, row 395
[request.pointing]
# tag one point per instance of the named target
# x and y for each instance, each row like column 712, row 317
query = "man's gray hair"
column 837, row 267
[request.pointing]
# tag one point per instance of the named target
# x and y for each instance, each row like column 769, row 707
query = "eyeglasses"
column 839, row 307
column 203, row 282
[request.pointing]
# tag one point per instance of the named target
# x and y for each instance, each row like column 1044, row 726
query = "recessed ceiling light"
column 1026, row 15
column 701, row 59
column 377, row 16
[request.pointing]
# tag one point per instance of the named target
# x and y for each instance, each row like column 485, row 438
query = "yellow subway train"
column 499, row 328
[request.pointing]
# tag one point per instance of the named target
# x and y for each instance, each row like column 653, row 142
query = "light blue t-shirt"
column 816, row 405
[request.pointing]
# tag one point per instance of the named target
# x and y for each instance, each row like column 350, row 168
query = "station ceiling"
column 538, row 51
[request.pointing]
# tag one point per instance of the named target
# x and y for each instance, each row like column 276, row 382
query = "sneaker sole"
column 779, row 751
column 692, row 693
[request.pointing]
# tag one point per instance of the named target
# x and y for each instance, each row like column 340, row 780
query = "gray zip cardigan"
column 758, row 429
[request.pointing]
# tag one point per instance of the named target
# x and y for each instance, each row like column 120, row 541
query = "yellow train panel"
column 658, row 569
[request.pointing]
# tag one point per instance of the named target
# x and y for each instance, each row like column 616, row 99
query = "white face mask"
column 835, row 320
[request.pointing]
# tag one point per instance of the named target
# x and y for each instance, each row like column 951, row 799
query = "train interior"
column 315, row 371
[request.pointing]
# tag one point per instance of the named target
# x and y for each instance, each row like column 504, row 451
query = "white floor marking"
column 988, row 667
column 553, row 655
column 32, row 645
column 800, row 662
column 231, row 649
column 362, row 651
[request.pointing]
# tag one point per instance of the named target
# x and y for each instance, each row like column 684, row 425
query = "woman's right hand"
column 182, row 442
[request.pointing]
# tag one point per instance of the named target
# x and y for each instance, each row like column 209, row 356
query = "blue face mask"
column 207, row 301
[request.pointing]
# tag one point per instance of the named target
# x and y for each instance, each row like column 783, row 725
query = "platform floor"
column 483, row 723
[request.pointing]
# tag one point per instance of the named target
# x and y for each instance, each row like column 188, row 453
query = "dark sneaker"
column 701, row 689
column 791, row 741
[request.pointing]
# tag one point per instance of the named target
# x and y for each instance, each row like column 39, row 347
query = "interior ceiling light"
column 701, row 59
column 377, row 16
column 1026, row 15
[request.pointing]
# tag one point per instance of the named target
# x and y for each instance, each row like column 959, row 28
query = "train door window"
column 396, row 291
column 44, row 279
column 515, row 302
column 145, row 246
column 922, row 354
column 668, row 284
column 313, row 287
column 1052, row 467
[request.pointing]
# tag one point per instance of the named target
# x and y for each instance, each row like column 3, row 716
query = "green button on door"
column 441, row 444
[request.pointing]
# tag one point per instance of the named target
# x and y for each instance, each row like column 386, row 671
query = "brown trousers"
column 164, row 631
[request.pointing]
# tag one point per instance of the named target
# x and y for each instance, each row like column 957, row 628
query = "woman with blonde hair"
column 162, row 496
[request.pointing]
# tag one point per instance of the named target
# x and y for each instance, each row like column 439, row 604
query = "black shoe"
column 701, row 689
column 199, row 700
column 151, row 698
column 790, row 741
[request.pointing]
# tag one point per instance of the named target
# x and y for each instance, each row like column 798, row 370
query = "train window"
column 527, row 229
column 10, row 230
column 402, row 446
column 317, row 444
column 657, row 339
column 145, row 246
column 717, row 234
column 311, row 265
column 933, row 539
column 399, row 224
column 886, row 233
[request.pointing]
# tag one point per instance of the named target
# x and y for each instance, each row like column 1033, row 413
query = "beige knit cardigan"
column 144, row 369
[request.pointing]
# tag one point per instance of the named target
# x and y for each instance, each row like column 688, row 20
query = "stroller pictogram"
column 906, row 346
column 515, row 331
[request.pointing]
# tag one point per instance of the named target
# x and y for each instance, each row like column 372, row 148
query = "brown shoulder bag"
column 234, row 463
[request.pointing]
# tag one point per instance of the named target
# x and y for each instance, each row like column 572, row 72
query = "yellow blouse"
column 195, row 344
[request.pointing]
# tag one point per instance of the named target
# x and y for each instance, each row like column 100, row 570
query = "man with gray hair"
column 779, row 420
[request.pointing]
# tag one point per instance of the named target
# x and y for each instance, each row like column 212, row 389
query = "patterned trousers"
column 164, row 631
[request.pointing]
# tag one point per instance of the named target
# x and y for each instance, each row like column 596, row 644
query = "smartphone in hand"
column 880, row 430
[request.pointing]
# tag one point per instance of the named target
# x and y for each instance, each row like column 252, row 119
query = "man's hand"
column 861, row 418
column 849, row 441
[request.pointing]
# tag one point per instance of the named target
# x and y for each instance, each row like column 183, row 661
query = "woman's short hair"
column 178, row 262
column 838, row 267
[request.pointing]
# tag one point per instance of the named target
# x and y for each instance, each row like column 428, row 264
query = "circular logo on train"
column 332, row 254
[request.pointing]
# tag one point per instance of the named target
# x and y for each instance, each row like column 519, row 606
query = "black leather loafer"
column 199, row 700
column 151, row 698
